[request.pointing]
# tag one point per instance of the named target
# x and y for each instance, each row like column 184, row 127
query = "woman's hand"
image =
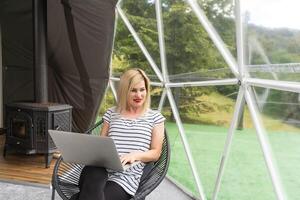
column 150, row 155
column 128, row 158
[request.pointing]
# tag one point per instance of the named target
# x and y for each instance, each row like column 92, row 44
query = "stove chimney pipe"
column 40, row 50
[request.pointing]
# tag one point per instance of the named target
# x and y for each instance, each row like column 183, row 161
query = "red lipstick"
column 137, row 100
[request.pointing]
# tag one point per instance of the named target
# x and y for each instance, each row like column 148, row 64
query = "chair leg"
column 53, row 193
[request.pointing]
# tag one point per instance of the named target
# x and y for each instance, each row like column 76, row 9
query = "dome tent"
column 248, row 77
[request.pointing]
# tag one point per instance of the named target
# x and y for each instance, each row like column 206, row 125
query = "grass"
column 245, row 176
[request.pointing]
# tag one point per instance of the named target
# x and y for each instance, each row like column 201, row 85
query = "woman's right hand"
column 128, row 158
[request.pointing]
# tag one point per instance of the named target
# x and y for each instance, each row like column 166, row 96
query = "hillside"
column 216, row 109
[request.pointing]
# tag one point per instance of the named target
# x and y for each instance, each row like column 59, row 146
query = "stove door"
column 20, row 129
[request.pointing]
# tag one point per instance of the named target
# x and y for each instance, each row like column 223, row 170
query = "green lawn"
column 245, row 176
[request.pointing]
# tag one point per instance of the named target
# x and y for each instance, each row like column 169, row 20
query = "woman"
column 138, row 133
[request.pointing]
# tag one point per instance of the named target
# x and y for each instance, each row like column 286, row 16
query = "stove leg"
column 48, row 158
column 5, row 150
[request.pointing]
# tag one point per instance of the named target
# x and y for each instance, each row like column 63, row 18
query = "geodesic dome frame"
column 242, row 78
column 238, row 67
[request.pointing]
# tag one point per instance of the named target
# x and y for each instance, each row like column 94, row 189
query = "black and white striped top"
column 130, row 135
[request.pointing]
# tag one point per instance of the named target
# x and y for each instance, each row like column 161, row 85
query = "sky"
column 273, row 13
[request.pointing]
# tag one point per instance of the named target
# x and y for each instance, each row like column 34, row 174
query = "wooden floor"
column 24, row 168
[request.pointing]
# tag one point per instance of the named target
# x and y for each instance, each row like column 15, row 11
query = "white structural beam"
column 162, row 99
column 158, row 84
column 113, row 89
column 185, row 143
column 274, row 84
column 119, row 2
column 233, row 81
column 269, row 67
column 239, row 37
column 265, row 144
column 110, row 82
column 230, row 60
column 236, row 116
column 162, row 49
column 140, row 43
column 114, row 78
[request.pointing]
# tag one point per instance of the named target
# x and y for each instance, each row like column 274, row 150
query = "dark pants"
column 93, row 185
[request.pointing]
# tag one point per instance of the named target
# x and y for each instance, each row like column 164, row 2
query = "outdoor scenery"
column 272, row 53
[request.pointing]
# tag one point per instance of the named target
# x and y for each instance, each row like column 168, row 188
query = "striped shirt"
column 130, row 135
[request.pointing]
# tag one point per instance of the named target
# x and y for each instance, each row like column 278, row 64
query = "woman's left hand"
column 128, row 158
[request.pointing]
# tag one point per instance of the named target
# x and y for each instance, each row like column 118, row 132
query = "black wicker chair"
column 66, row 176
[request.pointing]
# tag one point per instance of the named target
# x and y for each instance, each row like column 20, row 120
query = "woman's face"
column 137, row 95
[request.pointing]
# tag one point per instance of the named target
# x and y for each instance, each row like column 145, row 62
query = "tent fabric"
column 80, row 37
column 17, row 50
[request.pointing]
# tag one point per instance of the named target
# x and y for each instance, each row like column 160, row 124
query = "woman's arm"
column 155, row 149
column 104, row 130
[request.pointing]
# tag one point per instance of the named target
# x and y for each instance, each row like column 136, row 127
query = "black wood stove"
column 28, row 123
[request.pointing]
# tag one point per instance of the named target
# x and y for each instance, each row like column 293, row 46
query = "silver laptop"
column 88, row 150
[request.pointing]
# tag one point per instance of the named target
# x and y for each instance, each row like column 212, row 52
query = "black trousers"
column 94, row 186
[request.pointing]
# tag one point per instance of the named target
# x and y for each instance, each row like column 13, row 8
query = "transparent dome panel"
column 127, row 54
column 156, row 97
column 206, row 113
column 206, row 105
column 280, row 113
column 245, row 169
column 245, row 174
column 108, row 101
column 191, row 54
column 272, row 39
column 221, row 15
column 179, row 167
column 141, row 16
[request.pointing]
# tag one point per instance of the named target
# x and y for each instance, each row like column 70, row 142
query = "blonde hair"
column 127, row 81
